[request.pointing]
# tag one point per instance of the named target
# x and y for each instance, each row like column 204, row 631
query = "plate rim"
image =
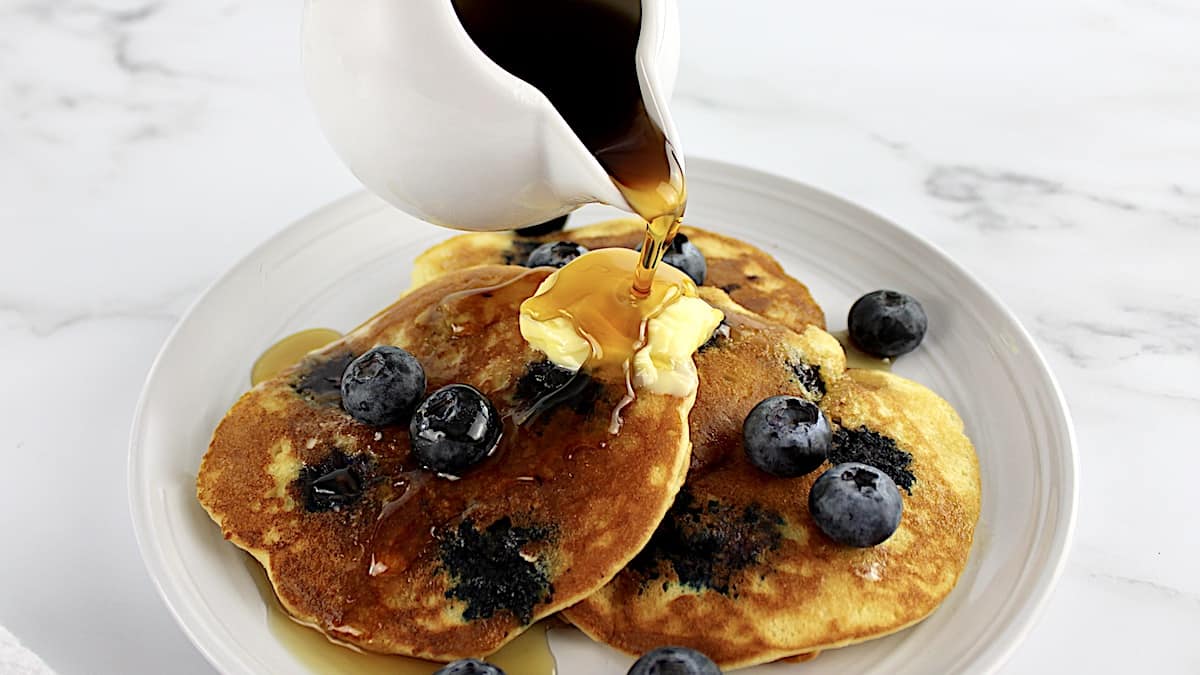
column 219, row 656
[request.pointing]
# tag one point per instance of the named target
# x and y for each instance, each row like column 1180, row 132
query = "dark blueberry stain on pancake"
column 722, row 332
column 809, row 377
column 336, row 483
column 545, row 386
column 489, row 572
column 708, row 544
column 873, row 449
column 320, row 378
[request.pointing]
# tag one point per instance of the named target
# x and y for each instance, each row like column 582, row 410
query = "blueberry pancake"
column 362, row 543
column 749, row 275
column 739, row 569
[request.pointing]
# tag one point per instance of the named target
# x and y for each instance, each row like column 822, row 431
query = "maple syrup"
column 582, row 55
column 289, row 351
column 593, row 292
column 528, row 654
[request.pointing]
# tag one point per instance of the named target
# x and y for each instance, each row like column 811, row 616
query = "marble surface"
column 1052, row 148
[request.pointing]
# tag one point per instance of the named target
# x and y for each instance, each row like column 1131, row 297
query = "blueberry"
column 469, row 667
column 855, row 504
column 685, row 257
column 543, row 228
column 674, row 661
column 383, row 386
column 453, row 429
column 554, row 254
column 887, row 323
column 786, row 436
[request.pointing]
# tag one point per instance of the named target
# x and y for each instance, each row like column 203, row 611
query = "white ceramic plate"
column 339, row 265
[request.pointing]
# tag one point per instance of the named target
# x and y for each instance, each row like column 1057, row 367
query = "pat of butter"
column 557, row 339
column 663, row 365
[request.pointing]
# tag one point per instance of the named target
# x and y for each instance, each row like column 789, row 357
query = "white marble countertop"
column 1051, row 147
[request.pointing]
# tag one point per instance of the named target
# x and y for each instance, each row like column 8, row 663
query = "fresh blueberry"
column 555, row 254
column 383, row 386
column 685, row 257
column 786, row 436
column 469, row 667
column 887, row 323
column 453, row 429
column 543, row 228
column 674, row 661
column 855, row 504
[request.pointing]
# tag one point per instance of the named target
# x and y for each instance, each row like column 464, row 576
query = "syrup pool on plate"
column 289, row 351
column 857, row 358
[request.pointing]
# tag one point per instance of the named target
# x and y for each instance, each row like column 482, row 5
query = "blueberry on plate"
column 786, row 436
column 383, row 386
column 543, row 228
column 674, row 661
column 887, row 323
column 554, row 254
column 454, row 428
column 685, row 257
column 469, row 667
column 855, row 504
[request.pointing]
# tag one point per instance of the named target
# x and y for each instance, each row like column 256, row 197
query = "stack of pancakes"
column 661, row 534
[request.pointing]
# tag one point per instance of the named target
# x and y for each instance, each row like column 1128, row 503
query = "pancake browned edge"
column 749, row 275
column 423, row 565
column 739, row 570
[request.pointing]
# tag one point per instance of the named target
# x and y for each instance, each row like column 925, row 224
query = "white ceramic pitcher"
column 429, row 123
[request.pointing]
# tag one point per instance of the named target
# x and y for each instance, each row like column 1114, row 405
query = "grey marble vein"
column 43, row 327
column 997, row 200
column 1162, row 590
column 42, row 320
column 1126, row 332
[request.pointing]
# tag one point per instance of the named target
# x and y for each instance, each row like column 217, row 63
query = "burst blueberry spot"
column 720, row 333
column 709, row 544
column 809, row 377
column 320, row 378
column 490, row 572
column 336, row 483
column 868, row 447
column 546, row 386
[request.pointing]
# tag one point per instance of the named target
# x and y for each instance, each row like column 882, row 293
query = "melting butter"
column 665, row 365
column 587, row 312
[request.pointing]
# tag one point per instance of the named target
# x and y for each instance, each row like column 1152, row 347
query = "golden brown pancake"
column 749, row 275
column 739, row 570
column 403, row 561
